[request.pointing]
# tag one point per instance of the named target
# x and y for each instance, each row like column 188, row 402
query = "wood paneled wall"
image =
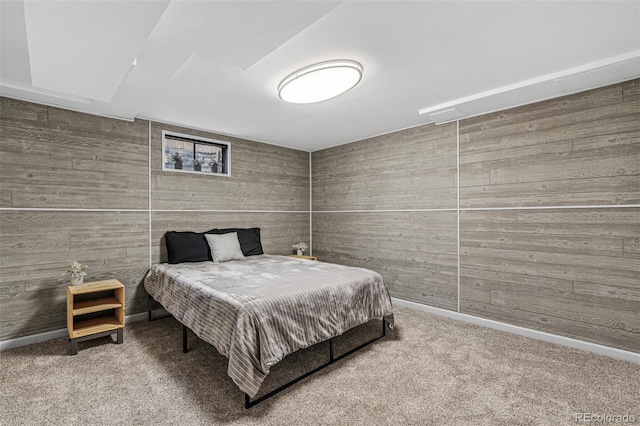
column 35, row 247
column 364, row 199
column 57, row 159
column 416, row 252
column 549, row 223
column 573, row 151
column 76, row 187
column 278, row 231
column 563, row 271
column 412, row 169
column 568, row 271
column 54, row 158
column 263, row 177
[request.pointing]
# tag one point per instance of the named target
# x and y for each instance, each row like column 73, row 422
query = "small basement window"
column 195, row 154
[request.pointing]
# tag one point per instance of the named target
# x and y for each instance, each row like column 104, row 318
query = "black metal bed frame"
column 248, row 403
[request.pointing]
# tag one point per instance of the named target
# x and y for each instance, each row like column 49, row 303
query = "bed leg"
column 184, row 339
column 384, row 329
column 247, row 401
column 150, row 305
column 331, row 351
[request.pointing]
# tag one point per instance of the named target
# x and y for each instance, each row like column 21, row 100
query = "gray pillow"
column 224, row 247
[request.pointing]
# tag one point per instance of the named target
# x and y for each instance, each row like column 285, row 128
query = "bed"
column 257, row 310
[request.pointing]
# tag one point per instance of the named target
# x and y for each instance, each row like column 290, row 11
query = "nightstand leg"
column 74, row 346
column 120, row 335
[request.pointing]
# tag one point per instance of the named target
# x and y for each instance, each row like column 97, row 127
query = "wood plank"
column 68, row 121
column 628, row 165
column 530, row 281
column 50, row 196
column 606, row 142
column 470, row 288
column 110, row 146
column 13, row 109
column 606, row 290
column 631, row 247
column 631, row 90
column 334, row 199
column 574, row 244
column 551, row 148
column 15, row 326
column 628, row 217
column 552, row 270
column 596, row 98
column 574, row 308
column 557, row 258
column 572, row 192
column 614, row 337
column 43, row 175
column 553, row 128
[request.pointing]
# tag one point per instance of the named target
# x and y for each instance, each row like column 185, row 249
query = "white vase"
column 77, row 280
column 299, row 252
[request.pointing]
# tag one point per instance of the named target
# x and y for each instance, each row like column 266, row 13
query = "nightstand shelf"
column 303, row 257
column 97, row 305
column 95, row 310
column 95, row 325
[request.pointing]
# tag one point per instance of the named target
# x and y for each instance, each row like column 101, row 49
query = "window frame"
column 226, row 152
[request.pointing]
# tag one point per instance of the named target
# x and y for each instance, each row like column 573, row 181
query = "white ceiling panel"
column 238, row 33
column 216, row 65
column 14, row 52
column 86, row 48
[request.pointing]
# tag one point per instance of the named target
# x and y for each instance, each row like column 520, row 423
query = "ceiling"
column 216, row 65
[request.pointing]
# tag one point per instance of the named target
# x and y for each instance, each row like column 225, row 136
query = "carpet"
column 428, row 370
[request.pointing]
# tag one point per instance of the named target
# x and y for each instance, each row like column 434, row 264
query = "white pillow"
column 224, row 247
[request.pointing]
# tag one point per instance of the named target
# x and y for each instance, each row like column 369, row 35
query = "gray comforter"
column 258, row 310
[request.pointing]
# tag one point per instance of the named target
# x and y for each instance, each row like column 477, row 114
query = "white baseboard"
column 541, row 335
column 54, row 334
column 522, row 331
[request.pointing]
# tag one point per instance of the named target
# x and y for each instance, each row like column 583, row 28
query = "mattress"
column 258, row 310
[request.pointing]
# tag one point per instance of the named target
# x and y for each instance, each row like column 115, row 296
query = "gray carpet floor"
column 429, row 370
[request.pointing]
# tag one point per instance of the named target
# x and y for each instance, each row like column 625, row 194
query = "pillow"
column 186, row 247
column 224, row 247
column 249, row 239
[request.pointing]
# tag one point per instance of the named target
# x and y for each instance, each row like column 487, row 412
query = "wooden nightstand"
column 95, row 310
column 304, row 257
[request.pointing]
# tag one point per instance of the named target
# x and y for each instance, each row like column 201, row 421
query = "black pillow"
column 249, row 239
column 186, row 247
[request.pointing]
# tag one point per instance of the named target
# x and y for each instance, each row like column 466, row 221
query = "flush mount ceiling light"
column 320, row 82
